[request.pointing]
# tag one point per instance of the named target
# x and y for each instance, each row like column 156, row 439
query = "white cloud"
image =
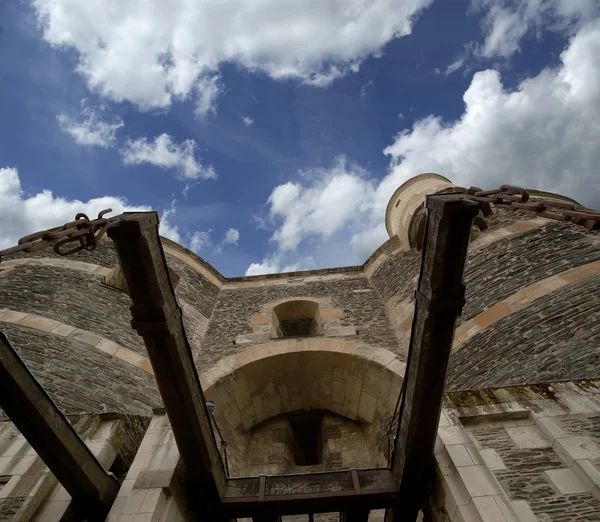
column 165, row 153
column 329, row 201
column 273, row 265
column 171, row 50
column 208, row 89
column 454, row 66
column 507, row 22
column 232, row 236
column 543, row 135
column 22, row 214
column 247, row 120
column 199, row 240
column 91, row 129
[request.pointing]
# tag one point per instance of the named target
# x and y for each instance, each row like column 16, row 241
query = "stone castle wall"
column 371, row 306
column 532, row 316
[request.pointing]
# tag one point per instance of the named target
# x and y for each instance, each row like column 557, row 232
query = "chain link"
column 83, row 230
column 87, row 232
column 514, row 198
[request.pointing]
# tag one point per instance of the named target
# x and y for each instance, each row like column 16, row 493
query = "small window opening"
column 307, row 427
column 296, row 319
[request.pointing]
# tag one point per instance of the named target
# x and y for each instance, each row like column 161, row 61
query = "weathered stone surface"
column 193, row 288
column 555, row 338
column 235, row 307
column 396, row 277
column 82, row 379
column 525, row 478
column 103, row 255
column 75, row 298
column 498, row 271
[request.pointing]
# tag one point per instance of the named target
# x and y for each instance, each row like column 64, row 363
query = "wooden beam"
column 54, row 439
column 157, row 318
column 438, row 302
column 356, row 515
column 269, row 496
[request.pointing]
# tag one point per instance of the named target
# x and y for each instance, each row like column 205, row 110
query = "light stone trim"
column 521, row 299
column 50, row 326
column 341, row 376
column 58, row 262
column 401, row 313
column 487, row 238
column 188, row 310
column 188, row 260
column 465, row 489
column 294, row 280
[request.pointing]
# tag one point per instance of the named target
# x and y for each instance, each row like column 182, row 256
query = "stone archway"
column 360, row 383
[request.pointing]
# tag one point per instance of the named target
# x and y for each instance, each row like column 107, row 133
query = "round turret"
column 403, row 216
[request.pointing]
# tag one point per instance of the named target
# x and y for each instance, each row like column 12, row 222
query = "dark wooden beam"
column 54, row 439
column 439, row 300
column 158, row 319
column 356, row 515
column 270, row 496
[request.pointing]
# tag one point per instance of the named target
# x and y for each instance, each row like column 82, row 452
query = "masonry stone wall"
column 29, row 492
column 272, row 445
column 73, row 297
column 360, row 306
column 496, row 272
column 81, row 379
column 554, row 338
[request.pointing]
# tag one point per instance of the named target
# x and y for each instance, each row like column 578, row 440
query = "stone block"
column 53, row 511
column 232, row 415
column 338, row 392
column 491, row 459
column 366, row 407
column 153, row 499
column 83, row 336
column 493, row 314
column 528, row 437
column 63, row 329
column 479, row 481
column 455, row 494
column 579, row 448
column 134, row 502
column 567, row 482
column 459, row 455
column 523, row 511
column 549, row 428
column 38, row 322
column 12, row 316
column 453, row 435
column 353, row 388
column 488, row 509
column 272, row 405
column 350, row 408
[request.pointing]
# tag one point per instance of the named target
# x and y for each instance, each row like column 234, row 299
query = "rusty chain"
column 83, row 230
column 514, row 198
column 87, row 232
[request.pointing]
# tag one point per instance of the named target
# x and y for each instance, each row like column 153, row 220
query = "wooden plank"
column 439, row 301
column 54, row 439
column 157, row 318
column 309, row 493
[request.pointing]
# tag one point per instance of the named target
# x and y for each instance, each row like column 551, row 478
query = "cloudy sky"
column 270, row 134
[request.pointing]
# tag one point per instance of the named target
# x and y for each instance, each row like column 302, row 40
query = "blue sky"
column 271, row 134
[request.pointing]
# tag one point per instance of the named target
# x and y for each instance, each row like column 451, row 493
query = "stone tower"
column 305, row 369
